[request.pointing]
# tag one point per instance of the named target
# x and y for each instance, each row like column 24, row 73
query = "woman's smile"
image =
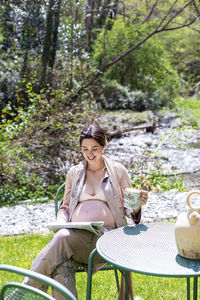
column 91, row 158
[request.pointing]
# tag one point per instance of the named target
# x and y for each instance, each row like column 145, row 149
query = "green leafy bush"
column 145, row 69
column 36, row 144
column 116, row 96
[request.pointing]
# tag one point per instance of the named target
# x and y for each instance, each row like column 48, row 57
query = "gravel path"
column 32, row 218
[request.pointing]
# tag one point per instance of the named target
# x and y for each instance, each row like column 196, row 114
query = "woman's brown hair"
column 94, row 132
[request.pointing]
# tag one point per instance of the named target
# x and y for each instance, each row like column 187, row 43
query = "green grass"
column 21, row 251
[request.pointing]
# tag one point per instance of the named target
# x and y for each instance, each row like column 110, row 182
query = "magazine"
column 90, row 226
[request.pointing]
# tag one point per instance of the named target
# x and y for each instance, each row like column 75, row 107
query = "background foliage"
column 141, row 70
column 62, row 62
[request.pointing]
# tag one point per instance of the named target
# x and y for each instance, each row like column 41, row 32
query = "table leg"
column 188, row 288
column 195, row 287
column 127, row 284
column 89, row 277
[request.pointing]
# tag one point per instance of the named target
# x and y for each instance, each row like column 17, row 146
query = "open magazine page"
column 90, row 226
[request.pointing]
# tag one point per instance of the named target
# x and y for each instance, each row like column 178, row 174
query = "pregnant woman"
column 93, row 192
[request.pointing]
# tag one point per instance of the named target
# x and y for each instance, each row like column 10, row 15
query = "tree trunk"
column 50, row 42
column 47, row 44
column 52, row 54
column 89, row 26
column 102, row 9
column 71, row 45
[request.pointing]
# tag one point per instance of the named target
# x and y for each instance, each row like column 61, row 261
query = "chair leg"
column 89, row 278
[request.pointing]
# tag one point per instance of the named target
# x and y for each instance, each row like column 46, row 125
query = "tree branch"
column 165, row 17
column 178, row 27
column 149, row 127
column 196, row 7
column 177, row 13
column 151, row 11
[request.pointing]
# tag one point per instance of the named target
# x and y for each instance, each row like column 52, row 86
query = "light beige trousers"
column 60, row 257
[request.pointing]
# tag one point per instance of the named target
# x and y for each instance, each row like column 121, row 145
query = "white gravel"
column 32, row 218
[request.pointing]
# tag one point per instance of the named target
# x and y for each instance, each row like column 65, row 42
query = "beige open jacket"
column 116, row 179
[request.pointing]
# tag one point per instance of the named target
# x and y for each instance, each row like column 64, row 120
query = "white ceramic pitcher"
column 187, row 230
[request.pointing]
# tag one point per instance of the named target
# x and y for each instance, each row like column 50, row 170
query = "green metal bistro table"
column 148, row 249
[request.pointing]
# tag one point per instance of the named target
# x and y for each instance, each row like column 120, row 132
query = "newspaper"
column 90, row 226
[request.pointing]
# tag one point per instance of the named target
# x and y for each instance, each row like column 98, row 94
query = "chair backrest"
column 57, row 205
column 12, row 290
column 18, row 291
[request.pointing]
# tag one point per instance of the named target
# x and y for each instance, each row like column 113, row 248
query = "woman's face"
column 92, row 151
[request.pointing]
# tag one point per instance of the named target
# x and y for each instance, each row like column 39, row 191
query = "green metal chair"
column 16, row 291
column 107, row 267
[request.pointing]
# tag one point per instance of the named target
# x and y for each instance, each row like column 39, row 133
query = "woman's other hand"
column 143, row 197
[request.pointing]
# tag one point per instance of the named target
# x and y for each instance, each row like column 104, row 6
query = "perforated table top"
column 147, row 249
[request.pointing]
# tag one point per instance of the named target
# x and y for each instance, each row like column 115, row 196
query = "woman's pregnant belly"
column 93, row 210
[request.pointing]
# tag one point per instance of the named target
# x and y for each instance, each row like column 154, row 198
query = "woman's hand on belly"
column 92, row 211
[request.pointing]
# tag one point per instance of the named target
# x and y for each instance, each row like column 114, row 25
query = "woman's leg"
column 65, row 274
column 122, row 293
column 66, row 245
